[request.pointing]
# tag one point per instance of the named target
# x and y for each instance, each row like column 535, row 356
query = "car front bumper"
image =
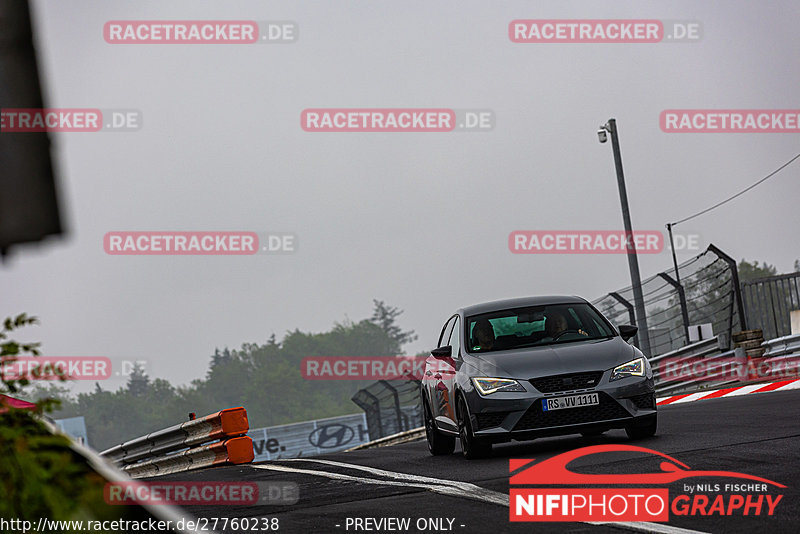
column 519, row 416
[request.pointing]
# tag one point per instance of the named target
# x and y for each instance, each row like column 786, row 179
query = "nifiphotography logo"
column 711, row 493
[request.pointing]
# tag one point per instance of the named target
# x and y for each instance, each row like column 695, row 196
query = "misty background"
column 418, row 220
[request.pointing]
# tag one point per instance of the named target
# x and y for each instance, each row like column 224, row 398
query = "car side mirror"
column 627, row 331
column 442, row 352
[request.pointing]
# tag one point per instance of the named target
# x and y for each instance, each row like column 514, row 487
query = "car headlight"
column 632, row 368
column 487, row 386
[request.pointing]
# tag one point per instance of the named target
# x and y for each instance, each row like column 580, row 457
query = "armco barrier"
column 149, row 455
column 238, row 450
column 163, row 512
column 701, row 349
column 782, row 346
column 719, row 362
column 781, row 360
column 784, row 354
column 226, row 423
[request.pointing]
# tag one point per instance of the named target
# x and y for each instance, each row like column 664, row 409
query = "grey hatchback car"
column 523, row 368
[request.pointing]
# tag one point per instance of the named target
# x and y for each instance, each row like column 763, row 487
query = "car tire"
column 471, row 447
column 438, row 444
column 646, row 428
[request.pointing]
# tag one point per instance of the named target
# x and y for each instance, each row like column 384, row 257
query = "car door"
column 440, row 374
column 432, row 365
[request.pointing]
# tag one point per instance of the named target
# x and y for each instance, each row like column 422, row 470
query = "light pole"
column 633, row 262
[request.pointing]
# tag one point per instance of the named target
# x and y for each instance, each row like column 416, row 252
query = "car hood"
column 580, row 356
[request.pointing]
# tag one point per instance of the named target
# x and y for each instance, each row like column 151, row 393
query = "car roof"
column 522, row 302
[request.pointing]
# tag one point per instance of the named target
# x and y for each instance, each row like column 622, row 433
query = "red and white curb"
column 783, row 385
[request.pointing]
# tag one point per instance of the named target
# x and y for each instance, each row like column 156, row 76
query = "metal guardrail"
column 780, row 361
column 712, row 362
column 782, row 346
column 701, row 349
column 238, row 450
column 225, row 423
column 166, row 512
column 149, row 455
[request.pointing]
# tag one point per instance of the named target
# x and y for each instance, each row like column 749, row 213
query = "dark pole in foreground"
column 674, row 257
column 633, row 261
column 29, row 206
column 679, row 287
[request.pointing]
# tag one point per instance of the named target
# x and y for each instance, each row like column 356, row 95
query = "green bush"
column 40, row 475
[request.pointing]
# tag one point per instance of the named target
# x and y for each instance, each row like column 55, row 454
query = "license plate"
column 573, row 401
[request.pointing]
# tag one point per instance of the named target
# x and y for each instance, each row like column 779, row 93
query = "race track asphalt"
column 755, row 434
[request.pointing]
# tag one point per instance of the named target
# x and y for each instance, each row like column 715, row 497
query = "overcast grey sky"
column 419, row 220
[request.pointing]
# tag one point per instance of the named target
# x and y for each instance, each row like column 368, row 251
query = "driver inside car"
column 483, row 333
column 556, row 324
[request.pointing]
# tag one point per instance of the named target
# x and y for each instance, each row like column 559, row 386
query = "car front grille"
column 645, row 401
column 535, row 418
column 553, row 384
column 490, row 419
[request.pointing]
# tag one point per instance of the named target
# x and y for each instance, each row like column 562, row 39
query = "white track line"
column 466, row 486
column 482, row 495
column 452, row 488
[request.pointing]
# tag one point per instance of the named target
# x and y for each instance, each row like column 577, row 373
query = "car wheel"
column 643, row 429
column 438, row 444
column 471, row 446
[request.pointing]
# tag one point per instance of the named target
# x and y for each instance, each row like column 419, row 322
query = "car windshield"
column 535, row 326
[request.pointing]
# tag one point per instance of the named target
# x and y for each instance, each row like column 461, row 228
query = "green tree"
column 138, row 382
column 385, row 317
column 752, row 270
column 264, row 378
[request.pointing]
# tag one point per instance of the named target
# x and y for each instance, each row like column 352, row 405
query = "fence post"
column 737, row 290
column 397, row 409
column 631, row 316
column 369, row 411
column 682, row 298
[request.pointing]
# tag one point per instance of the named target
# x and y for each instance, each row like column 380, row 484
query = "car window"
column 534, row 326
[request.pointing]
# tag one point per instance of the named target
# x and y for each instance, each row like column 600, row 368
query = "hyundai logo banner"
column 309, row 438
